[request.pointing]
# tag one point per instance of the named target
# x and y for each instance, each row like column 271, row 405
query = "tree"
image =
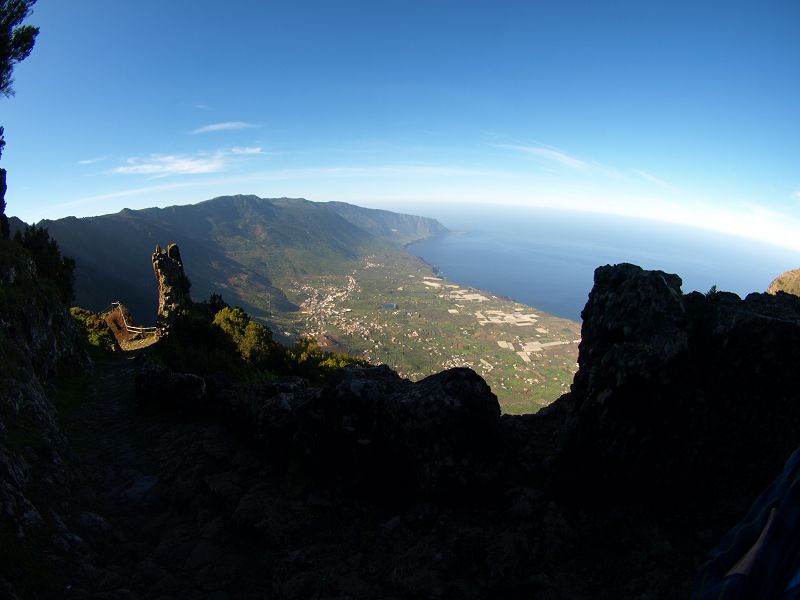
column 252, row 340
column 16, row 43
column 16, row 40
column 5, row 229
column 50, row 264
column 216, row 303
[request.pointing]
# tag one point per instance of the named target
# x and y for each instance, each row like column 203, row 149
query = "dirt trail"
column 149, row 500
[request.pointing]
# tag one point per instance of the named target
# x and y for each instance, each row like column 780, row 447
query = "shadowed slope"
column 244, row 247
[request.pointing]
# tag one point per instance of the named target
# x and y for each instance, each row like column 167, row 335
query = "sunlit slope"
column 788, row 282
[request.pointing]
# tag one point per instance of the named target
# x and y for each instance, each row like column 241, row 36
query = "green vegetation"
column 228, row 341
column 309, row 360
column 331, row 272
column 50, row 264
column 95, row 329
column 27, row 297
column 16, row 40
column 252, row 340
column 29, row 284
column 244, row 247
column 527, row 357
column 196, row 345
column 34, row 284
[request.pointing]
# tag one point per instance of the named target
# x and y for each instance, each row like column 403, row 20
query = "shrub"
column 309, row 360
column 48, row 260
column 95, row 329
column 205, row 341
column 252, row 340
column 195, row 345
column 216, row 303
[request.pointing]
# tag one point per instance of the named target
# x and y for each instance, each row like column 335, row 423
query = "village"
column 419, row 323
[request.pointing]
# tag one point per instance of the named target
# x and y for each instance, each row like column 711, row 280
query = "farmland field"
column 393, row 309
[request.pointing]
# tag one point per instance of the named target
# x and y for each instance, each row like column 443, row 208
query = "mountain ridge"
column 242, row 246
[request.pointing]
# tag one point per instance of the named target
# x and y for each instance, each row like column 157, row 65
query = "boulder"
column 635, row 332
column 266, row 412
column 161, row 388
column 679, row 399
column 380, row 433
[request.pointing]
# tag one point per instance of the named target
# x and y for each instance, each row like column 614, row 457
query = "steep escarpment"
column 38, row 340
column 680, row 399
column 173, row 285
column 400, row 228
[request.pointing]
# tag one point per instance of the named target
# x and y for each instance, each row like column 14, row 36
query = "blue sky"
column 684, row 112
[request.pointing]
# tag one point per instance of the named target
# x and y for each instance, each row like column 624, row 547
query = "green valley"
column 392, row 309
column 332, row 271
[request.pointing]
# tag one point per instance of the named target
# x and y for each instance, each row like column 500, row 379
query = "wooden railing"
column 132, row 328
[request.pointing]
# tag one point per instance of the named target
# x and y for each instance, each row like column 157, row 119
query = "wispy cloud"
column 163, row 165
column 559, row 157
column 247, row 150
column 386, row 171
column 796, row 195
column 226, row 126
column 91, row 161
column 126, row 193
column 392, row 170
column 548, row 153
column 160, row 165
column 653, row 179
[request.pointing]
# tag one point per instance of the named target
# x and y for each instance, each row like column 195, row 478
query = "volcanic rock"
column 383, row 433
column 173, row 285
column 161, row 388
column 679, row 399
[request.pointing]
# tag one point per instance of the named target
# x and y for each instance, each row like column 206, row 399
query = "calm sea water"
column 546, row 258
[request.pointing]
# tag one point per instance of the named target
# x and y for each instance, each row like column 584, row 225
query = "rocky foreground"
column 371, row 486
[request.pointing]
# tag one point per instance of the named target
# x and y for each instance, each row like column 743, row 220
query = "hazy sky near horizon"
column 677, row 111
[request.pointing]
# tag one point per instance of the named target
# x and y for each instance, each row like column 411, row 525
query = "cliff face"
column 38, row 339
column 173, row 285
column 680, row 399
column 397, row 227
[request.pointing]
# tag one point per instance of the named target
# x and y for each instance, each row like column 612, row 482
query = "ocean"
column 546, row 258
